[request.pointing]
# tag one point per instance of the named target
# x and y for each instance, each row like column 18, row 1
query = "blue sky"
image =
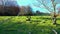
column 29, row 2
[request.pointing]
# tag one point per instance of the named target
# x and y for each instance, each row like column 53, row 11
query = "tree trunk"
column 54, row 20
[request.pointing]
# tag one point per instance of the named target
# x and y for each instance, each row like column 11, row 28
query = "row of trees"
column 25, row 10
column 8, row 7
column 8, row 11
column 11, row 8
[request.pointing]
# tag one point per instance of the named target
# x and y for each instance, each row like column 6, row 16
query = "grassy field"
column 21, row 25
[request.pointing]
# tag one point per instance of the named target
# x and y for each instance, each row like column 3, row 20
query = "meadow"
column 21, row 25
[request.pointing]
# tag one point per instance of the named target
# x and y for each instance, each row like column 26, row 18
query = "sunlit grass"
column 20, row 25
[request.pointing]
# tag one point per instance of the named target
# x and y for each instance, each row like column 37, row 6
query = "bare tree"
column 53, row 11
column 8, row 8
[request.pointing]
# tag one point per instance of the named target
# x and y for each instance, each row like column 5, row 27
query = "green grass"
column 19, row 25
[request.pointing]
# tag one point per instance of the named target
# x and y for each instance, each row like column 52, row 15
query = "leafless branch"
column 44, row 5
column 54, row 5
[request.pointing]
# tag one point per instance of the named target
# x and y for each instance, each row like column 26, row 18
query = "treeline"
column 38, row 13
column 8, row 10
column 21, row 11
column 15, row 10
column 11, row 8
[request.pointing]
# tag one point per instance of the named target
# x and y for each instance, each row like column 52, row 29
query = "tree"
column 29, row 11
column 52, row 8
column 38, row 12
column 25, row 10
column 11, row 3
column 9, row 8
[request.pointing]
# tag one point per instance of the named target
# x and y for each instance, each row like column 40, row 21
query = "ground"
column 21, row 25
